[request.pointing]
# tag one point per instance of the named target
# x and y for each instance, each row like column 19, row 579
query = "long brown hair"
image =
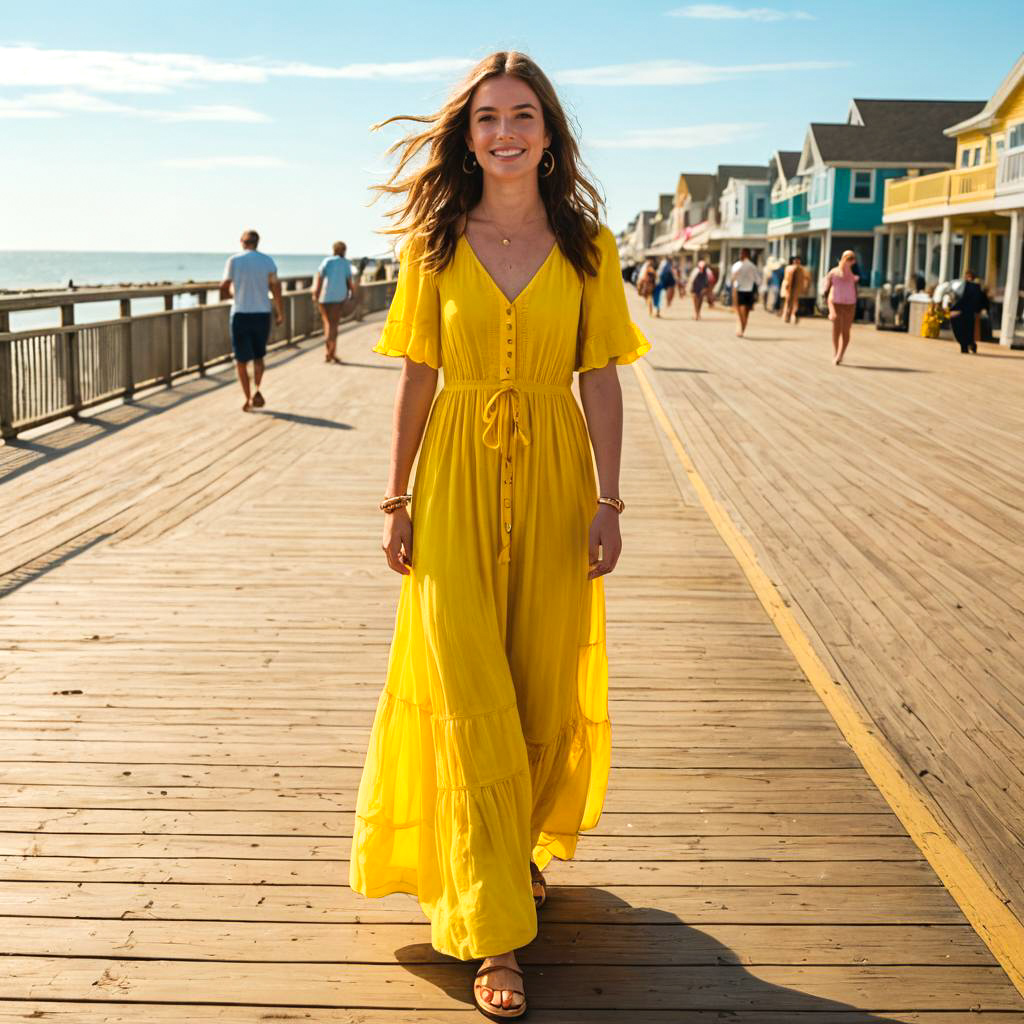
column 438, row 196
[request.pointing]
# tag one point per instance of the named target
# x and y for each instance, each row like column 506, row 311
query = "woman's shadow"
column 595, row 951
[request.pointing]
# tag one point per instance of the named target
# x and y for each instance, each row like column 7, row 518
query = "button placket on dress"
column 507, row 369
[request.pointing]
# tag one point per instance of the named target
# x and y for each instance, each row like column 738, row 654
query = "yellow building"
column 942, row 224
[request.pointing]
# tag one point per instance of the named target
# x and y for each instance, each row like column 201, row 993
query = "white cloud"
column 72, row 101
column 726, row 12
column 111, row 71
column 683, row 137
column 207, row 163
column 679, row 72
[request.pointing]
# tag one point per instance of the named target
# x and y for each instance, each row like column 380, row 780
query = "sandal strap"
column 498, row 967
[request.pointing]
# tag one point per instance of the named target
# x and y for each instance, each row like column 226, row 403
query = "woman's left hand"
column 605, row 541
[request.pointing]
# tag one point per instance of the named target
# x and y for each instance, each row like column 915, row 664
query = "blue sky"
column 167, row 127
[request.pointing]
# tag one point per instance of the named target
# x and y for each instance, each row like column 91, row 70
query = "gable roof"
column 699, row 186
column 890, row 132
column 990, row 110
column 745, row 172
column 788, row 160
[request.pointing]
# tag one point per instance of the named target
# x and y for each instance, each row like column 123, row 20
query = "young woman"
column 841, row 293
column 646, row 284
column 490, row 748
column 699, row 285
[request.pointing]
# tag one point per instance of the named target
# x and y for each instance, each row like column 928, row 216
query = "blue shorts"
column 249, row 335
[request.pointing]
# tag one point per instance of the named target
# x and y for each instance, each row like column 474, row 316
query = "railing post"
column 127, row 350
column 6, row 379
column 74, row 384
column 201, row 333
column 289, row 313
column 168, row 307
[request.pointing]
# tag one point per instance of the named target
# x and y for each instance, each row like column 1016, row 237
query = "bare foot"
column 258, row 401
column 247, row 407
column 500, row 986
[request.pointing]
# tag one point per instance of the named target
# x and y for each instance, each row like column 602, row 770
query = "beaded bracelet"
column 394, row 502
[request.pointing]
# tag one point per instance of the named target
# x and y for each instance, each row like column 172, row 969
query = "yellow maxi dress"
column 491, row 742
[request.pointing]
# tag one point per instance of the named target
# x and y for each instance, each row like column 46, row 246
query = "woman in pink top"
column 841, row 291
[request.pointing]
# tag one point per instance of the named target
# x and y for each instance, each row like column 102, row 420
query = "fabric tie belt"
column 503, row 427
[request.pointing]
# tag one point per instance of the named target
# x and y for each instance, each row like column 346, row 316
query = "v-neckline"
column 529, row 284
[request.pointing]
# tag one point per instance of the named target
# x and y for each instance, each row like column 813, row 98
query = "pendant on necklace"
column 506, row 241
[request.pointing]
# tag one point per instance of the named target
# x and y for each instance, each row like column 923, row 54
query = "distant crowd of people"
column 780, row 289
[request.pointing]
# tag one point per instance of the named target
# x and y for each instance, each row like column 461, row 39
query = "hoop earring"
column 551, row 168
column 469, row 155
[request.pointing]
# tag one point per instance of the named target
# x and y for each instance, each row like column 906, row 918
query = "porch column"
column 876, row 258
column 944, row 250
column 890, row 258
column 908, row 275
column 1010, row 297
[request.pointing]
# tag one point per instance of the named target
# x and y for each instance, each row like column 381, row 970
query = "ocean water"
column 29, row 269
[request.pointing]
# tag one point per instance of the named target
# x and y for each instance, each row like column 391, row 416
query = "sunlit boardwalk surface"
column 195, row 628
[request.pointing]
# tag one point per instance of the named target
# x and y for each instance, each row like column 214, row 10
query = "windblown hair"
column 438, row 196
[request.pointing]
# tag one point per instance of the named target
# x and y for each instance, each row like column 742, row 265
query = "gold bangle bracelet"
column 616, row 503
column 390, row 504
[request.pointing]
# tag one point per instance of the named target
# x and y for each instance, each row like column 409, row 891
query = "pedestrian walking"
column 646, row 283
column 841, row 292
column 794, row 284
column 667, row 282
column 250, row 279
column 490, row 747
column 745, row 278
column 698, row 285
column 334, row 292
column 963, row 313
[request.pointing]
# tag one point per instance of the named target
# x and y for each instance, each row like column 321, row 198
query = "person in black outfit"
column 964, row 312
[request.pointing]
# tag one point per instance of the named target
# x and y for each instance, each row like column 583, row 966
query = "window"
column 977, row 156
column 1016, row 136
column 862, row 187
column 760, row 206
column 965, row 158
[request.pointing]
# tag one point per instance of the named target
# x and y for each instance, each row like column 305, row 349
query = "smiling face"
column 506, row 127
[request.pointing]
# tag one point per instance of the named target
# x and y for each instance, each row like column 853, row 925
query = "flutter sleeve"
column 607, row 333
column 413, row 327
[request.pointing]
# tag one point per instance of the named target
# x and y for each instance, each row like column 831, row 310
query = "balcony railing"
column 1010, row 176
column 973, row 183
column 948, row 188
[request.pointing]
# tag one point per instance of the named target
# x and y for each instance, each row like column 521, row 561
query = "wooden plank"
column 432, row 986
column 608, row 904
column 640, row 944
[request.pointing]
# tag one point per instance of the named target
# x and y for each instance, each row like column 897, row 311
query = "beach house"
column 969, row 216
column 834, row 199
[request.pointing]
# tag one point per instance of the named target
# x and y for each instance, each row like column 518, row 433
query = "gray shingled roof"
column 746, row 172
column 699, row 185
column 789, row 159
column 895, row 131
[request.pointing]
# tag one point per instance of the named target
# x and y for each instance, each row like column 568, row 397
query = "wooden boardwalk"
column 194, row 630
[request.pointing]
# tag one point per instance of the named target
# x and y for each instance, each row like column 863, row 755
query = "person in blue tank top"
column 334, row 291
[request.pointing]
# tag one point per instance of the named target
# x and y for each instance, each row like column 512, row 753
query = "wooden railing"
column 50, row 372
column 1011, row 171
column 966, row 185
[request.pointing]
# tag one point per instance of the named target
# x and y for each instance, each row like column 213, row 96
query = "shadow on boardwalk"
column 657, row 963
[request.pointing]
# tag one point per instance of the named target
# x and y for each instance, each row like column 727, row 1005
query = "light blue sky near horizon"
column 105, row 151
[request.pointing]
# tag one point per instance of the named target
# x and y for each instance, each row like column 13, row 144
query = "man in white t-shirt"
column 745, row 278
column 250, row 278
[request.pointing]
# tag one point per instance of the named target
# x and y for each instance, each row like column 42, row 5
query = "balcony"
column 1010, row 176
column 950, row 188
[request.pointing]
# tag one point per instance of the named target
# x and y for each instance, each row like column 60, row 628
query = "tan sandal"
column 490, row 1011
column 537, row 877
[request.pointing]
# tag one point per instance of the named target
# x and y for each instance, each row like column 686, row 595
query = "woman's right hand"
column 397, row 542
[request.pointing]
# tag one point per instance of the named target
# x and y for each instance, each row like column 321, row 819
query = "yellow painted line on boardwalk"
column 1001, row 931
